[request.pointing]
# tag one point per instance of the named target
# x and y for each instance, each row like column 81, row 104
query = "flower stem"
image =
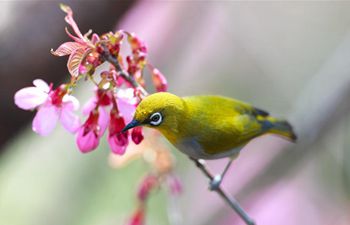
column 232, row 202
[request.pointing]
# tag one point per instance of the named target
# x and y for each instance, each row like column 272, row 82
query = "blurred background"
column 291, row 58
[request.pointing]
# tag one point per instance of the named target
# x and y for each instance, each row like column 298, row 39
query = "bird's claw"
column 214, row 184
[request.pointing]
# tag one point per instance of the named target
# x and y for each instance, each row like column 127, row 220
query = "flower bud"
column 88, row 135
column 136, row 135
column 159, row 81
column 118, row 141
column 147, row 185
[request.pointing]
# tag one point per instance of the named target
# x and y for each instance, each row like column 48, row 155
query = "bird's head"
column 161, row 111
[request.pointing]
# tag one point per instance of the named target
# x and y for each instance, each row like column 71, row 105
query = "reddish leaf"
column 75, row 59
column 66, row 48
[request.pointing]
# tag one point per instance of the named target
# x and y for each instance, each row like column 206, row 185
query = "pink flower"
column 136, row 135
column 89, row 134
column 127, row 102
column 138, row 218
column 159, row 80
column 117, row 140
column 100, row 102
column 148, row 184
column 53, row 105
column 93, row 129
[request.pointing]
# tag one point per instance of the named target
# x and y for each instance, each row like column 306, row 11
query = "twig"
column 114, row 61
column 232, row 202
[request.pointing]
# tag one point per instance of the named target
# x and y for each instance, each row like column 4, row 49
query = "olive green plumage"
column 207, row 127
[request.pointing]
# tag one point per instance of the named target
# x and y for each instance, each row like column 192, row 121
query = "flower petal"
column 30, row 97
column 95, row 38
column 89, row 105
column 69, row 120
column 127, row 102
column 103, row 120
column 118, row 143
column 66, row 48
column 71, row 100
column 136, row 135
column 45, row 119
column 86, row 142
column 117, row 140
column 127, row 94
column 126, row 109
column 41, row 85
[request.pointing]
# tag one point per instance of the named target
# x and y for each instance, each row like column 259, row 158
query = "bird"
column 207, row 127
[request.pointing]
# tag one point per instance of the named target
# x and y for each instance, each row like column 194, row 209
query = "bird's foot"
column 214, row 184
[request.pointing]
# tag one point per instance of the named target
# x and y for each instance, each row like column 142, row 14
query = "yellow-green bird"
column 207, row 127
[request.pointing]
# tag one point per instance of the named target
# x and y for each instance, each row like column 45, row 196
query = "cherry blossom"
column 116, row 94
column 88, row 136
column 117, row 140
column 52, row 106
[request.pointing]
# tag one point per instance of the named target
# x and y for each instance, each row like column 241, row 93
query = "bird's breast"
column 192, row 148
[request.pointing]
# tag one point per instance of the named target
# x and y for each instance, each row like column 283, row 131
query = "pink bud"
column 104, row 97
column 136, row 135
column 147, row 185
column 159, row 80
column 88, row 135
column 136, row 44
column 95, row 38
column 82, row 69
column 138, row 218
column 117, row 140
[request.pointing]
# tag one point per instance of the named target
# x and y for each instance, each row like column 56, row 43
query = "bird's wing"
column 225, row 123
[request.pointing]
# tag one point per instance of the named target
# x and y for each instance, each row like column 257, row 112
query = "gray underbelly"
column 193, row 149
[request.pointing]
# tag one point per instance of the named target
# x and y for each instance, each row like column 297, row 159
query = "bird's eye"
column 155, row 119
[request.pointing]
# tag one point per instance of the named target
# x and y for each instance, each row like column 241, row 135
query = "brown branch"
column 114, row 61
column 232, row 202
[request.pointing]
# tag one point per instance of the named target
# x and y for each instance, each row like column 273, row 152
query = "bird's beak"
column 132, row 124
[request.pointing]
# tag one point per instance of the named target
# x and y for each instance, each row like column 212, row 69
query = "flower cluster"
column 118, row 89
column 119, row 86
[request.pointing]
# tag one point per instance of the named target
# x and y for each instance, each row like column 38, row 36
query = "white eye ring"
column 156, row 119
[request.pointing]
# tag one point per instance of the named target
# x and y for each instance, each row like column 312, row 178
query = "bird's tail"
column 284, row 129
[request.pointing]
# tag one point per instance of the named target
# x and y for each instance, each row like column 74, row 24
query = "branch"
column 114, row 61
column 232, row 202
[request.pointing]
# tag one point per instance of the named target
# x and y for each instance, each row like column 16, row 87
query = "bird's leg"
column 231, row 201
column 215, row 183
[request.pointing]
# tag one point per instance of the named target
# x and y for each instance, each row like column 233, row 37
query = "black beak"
column 132, row 124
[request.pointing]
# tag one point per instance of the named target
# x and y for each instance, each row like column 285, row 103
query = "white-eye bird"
column 207, row 127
